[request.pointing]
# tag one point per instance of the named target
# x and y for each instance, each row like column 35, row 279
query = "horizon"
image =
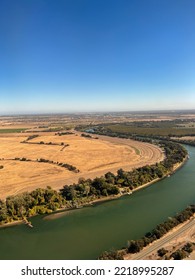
column 96, row 56
column 133, row 112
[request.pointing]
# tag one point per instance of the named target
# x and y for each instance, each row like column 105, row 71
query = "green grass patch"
column 136, row 150
column 12, row 130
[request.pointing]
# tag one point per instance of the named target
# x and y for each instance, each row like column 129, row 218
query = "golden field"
column 93, row 157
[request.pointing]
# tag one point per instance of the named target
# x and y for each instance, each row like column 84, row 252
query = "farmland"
column 164, row 128
column 50, row 152
column 24, row 171
column 12, row 130
column 45, row 150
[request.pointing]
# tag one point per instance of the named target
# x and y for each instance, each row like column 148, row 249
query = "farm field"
column 152, row 129
column 43, row 122
column 92, row 157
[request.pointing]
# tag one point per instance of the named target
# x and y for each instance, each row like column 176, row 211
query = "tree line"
column 151, row 129
column 43, row 160
column 135, row 246
column 39, row 201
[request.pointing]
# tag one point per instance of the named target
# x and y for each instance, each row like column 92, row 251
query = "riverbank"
column 15, row 223
column 172, row 241
column 10, row 224
column 86, row 202
column 72, row 237
column 62, row 212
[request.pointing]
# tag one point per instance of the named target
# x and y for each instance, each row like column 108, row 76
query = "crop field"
column 24, row 171
column 12, row 130
column 152, row 129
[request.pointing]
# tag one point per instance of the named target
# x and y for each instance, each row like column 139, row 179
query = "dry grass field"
column 190, row 138
column 93, row 157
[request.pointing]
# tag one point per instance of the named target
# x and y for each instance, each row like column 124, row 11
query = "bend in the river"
column 87, row 232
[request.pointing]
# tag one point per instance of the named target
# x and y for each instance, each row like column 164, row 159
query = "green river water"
column 85, row 233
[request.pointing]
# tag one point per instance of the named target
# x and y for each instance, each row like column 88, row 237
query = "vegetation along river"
column 85, row 233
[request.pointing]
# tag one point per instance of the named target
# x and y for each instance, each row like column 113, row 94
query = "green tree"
column 161, row 252
column 3, row 211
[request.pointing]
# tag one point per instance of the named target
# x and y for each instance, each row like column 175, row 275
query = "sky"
column 60, row 56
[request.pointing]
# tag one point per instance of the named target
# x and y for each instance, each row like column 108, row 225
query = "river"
column 85, row 233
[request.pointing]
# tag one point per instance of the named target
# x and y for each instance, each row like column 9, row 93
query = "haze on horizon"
column 94, row 56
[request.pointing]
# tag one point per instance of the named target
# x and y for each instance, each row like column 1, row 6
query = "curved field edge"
column 86, row 191
column 26, row 167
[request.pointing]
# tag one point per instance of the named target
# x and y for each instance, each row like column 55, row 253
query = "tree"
column 134, row 246
column 179, row 255
column 111, row 255
column 110, row 177
column 68, row 192
column 161, row 252
column 121, row 173
column 188, row 247
column 99, row 183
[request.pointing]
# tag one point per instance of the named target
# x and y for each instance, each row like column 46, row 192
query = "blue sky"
column 100, row 55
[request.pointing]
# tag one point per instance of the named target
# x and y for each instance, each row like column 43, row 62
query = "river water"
column 85, row 233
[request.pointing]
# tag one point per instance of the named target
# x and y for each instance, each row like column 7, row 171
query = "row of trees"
column 64, row 133
column 90, row 189
column 46, row 143
column 178, row 254
column 65, row 165
column 186, row 142
column 135, row 246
